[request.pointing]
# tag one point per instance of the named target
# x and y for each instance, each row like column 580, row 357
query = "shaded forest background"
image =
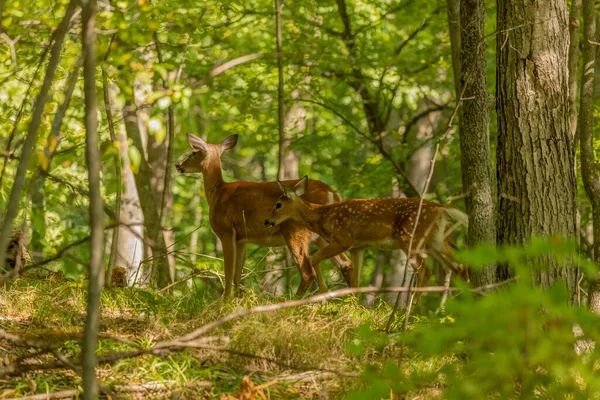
column 163, row 60
column 468, row 103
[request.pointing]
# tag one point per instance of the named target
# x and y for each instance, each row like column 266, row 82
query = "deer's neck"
column 310, row 214
column 213, row 180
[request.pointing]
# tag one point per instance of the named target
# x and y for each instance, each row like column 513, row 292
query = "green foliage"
column 193, row 39
column 515, row 342
column 267, row 347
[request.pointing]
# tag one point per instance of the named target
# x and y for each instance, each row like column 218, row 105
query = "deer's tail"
column 447, row 214
column 457, row 215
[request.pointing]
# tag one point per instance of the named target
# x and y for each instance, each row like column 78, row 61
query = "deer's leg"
column 341, row 261
column 297, row 240
column 240, row 257
column 357, row 261
column 229, row 255
column 445, row 258
column 332, row 250
column 422, row 276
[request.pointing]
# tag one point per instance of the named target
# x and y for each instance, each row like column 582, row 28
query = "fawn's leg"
column 422, row 275
column 229, row 255
column 357, row 261
column 297, row 240
column 341, row 261
column 332, row 250
column 240, row 257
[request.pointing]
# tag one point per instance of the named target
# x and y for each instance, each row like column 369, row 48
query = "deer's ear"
column 287, row 192
column 229, row 143
column 301, row 186
column 196, row 143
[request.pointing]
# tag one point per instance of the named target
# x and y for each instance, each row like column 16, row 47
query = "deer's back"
column 244, row 206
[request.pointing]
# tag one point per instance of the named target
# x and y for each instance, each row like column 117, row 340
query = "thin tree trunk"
column 32, row 133
column 38, row 232
column 370, row 104
column 196, row 206
column 589, row 171
column 197, row 210
column 167, row 192
column 573, row 64
column 130, row 250
column 476, row 160
column 536, row 179
column 280, row 93
column 455, row 45
column 148, row 202
column 24, row 102
column 118, row 178
column 92, row 153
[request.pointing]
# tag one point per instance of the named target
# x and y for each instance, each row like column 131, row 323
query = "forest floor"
column 312, row 351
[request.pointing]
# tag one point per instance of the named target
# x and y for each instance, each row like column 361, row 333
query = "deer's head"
column 287, row 204
column 204, row 154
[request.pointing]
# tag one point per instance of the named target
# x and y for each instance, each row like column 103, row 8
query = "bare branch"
column 376, row 143
column 203, row 330
column 412, row 235
column 230, row 64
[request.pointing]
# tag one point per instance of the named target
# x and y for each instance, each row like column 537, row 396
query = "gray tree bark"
column 476, row 162
column 32, row 132
column 118, row 177
column 148, row 199
column 130, row 248
column 589, row 170
column 166, row 197
column 96, row 207
column 536, row 179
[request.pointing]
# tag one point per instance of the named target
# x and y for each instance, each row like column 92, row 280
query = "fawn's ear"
column 196, row 143
column 228, row 143
column 287, row 192
column 301, row 186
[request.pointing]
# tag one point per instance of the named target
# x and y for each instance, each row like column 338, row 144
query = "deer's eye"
column 278, row 206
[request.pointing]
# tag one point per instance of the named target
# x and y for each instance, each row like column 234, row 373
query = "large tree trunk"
column 148, row 201
column 130, row 249
column 589, row 171
column 536, row 180
column 96, row 208
column 474, row 135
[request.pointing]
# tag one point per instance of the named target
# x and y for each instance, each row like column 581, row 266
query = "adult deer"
column 238, row 210
column 356, row 224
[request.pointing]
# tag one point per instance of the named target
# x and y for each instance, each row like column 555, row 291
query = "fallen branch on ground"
column 197, row 338
column 142, row 387
column 310, row 300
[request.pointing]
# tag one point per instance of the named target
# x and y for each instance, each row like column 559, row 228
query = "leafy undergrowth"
column 521, row 341
column 306, row 352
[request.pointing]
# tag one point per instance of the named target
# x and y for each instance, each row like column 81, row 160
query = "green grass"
column 309, row 338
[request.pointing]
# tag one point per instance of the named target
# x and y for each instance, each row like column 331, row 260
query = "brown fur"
column 356, row 224
column 16, row 254
column 238, row 211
